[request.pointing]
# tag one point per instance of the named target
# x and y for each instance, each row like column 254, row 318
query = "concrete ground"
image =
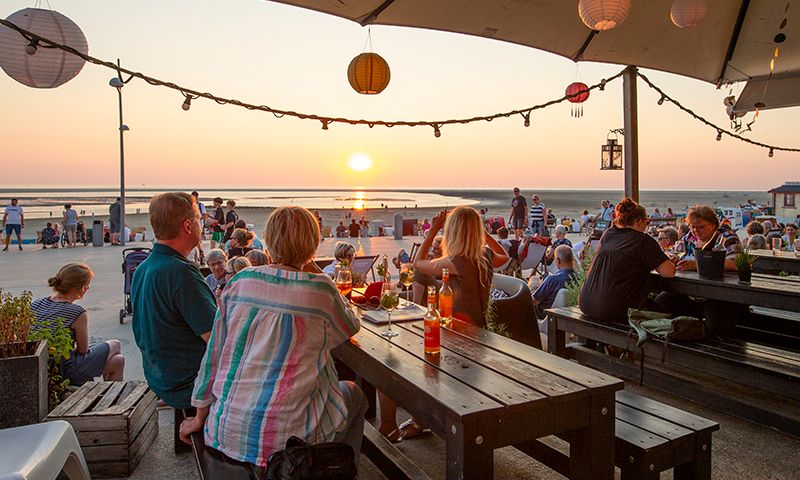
column 742, row 450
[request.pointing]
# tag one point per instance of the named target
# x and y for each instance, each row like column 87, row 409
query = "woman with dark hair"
column 240, row 243
column 707, row 234
column 617, row 277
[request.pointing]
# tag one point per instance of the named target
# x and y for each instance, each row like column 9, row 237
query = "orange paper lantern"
column 368, row 74
column 687, row 13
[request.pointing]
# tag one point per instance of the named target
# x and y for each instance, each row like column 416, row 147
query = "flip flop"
column 394, row 436
column 411, row 429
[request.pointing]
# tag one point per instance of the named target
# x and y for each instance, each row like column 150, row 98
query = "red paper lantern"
column 579, row 98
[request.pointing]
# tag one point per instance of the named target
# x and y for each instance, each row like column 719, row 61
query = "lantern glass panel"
column 611, row 156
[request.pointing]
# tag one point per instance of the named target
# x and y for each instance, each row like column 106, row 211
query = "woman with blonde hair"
column 268, row 373
column 257, row 257
column 84, row 363
column 342, row 252
column 470, row 255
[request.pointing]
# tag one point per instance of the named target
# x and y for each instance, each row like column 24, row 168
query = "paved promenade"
column 741, row 450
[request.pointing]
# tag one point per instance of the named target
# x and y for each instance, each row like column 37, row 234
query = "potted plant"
column 23, row 364
column 744, row 265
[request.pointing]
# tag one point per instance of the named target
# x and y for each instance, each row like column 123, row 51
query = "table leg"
column 468, row 458
column 592, row 447
column 369, row 392
column 556, row 339
column 700, row 468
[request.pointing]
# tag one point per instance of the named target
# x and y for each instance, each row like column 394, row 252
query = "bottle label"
column 432, row 336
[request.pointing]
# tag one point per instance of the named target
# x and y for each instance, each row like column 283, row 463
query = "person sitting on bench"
column 268, row 373
column 617, row 278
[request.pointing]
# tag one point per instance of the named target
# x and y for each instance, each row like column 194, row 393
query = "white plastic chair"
column 558, row 302
column 40, row 452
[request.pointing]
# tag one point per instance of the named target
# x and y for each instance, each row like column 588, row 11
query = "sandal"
column 394, row 436
column 411, row 429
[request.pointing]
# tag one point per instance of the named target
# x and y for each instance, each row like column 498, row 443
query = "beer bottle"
column 432, row 325
column 446, row 299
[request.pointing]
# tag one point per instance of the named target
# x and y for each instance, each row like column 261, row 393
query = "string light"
column 771, row 153
column 187, row 103
column 661, row 100
column 31, row 48
column 37, row 40
column 527, row 117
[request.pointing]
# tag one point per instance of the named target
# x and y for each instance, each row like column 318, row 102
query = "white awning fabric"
column 781, row 91
column 735, row 41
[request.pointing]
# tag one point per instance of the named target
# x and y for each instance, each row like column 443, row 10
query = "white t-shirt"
column 13, row 215
column 202, row 209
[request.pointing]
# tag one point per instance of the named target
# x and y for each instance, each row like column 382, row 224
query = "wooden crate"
column 116, row 423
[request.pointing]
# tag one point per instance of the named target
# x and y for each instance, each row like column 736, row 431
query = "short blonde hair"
column 291, row 236
column 344, row 251
column 237, row 264
column 257, row 257
column 71, row 277
column 168, row 211
column 216, row 255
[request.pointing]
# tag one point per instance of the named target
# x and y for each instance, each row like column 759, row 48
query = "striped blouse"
column 537, row 213
column 268, row 373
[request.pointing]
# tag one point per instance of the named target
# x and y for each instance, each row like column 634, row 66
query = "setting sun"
column 359, row 162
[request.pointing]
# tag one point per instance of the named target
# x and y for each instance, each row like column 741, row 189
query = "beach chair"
column 534, row 260
column 414, row 249
column 359, row 268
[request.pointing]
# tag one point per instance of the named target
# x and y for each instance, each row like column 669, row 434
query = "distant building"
column 784, row 198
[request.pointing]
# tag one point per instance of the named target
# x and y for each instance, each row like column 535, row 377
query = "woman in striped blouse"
column 268, row 373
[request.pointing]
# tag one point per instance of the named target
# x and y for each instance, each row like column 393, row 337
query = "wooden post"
column 629, row 79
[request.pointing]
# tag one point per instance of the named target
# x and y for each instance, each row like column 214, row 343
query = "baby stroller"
column 80, row 235
column 129, row 264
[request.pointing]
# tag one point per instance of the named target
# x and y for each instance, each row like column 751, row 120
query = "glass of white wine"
column 389, row 301
column 407, row 277
column 797, row 247
column 776, row 246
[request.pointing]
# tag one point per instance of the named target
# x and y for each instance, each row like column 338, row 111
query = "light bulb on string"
column 324, row 124
column 771, row 153
column 30, row 49
column 187, row 103
column 436, row 132
column 527, row 117
column 661, row 100
column 719, row 135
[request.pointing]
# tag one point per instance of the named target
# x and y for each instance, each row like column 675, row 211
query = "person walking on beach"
column 230, row 219
column 173, row 308
column 217, row 221
column 70, row 224
column 538, row 222
column 14, row 222
column 114, row 215
column 519, row 210
column 354, row 229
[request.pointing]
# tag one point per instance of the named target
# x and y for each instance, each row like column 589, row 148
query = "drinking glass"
column 797, row 247
column 389, row 301
column 344, row 281
column 407, row 277
column 776, row 246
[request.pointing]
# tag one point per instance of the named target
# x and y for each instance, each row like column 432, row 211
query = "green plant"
column 491, row 325
column 574, row 286
column 744, row 260
column 59, row 347
column 16, row 318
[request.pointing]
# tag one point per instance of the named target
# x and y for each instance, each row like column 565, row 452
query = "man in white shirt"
column 13, row 221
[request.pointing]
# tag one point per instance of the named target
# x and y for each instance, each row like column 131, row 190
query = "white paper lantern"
column 47, row 67
column 603, row 14
column 687, row 13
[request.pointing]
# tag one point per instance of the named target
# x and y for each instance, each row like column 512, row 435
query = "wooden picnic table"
column 783, row 262
column 771, row 291
column 485, row 391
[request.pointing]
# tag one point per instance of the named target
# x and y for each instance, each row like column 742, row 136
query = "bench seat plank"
column 667, row 412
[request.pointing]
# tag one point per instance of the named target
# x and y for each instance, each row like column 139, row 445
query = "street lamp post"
column 118, row 83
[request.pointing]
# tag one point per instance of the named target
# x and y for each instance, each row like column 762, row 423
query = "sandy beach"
column 564, row 203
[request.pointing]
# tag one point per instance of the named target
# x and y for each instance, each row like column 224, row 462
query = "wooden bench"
column 747, row 379
column 651, row 437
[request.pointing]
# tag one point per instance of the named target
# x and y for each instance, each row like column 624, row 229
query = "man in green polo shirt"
column 173, row 308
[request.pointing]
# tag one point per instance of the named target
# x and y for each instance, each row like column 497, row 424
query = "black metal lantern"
column 611, row 152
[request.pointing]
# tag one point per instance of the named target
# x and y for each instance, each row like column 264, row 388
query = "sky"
column 290, row 58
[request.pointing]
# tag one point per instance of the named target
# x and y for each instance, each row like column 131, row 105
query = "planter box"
column 116, row 423
column 23, row 388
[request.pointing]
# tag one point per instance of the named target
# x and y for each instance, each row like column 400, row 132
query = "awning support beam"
column 631, row 147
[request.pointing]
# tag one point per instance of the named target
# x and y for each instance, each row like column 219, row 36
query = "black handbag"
column 301, row 460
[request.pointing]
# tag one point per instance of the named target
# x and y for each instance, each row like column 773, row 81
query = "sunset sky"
column 289, row 58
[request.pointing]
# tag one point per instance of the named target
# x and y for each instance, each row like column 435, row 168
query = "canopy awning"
column 783, row 90
column 735, row 41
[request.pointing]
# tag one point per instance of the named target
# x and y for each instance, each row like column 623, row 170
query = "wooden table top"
column 764, row 290
column 784, row 261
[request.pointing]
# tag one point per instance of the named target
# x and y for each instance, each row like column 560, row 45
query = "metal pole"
column 631, row 133
column 122, row 239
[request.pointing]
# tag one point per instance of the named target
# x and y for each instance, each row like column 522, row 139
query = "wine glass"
column 344, row 281
column 776, row 246
column 407, row 277
column 389, row 301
